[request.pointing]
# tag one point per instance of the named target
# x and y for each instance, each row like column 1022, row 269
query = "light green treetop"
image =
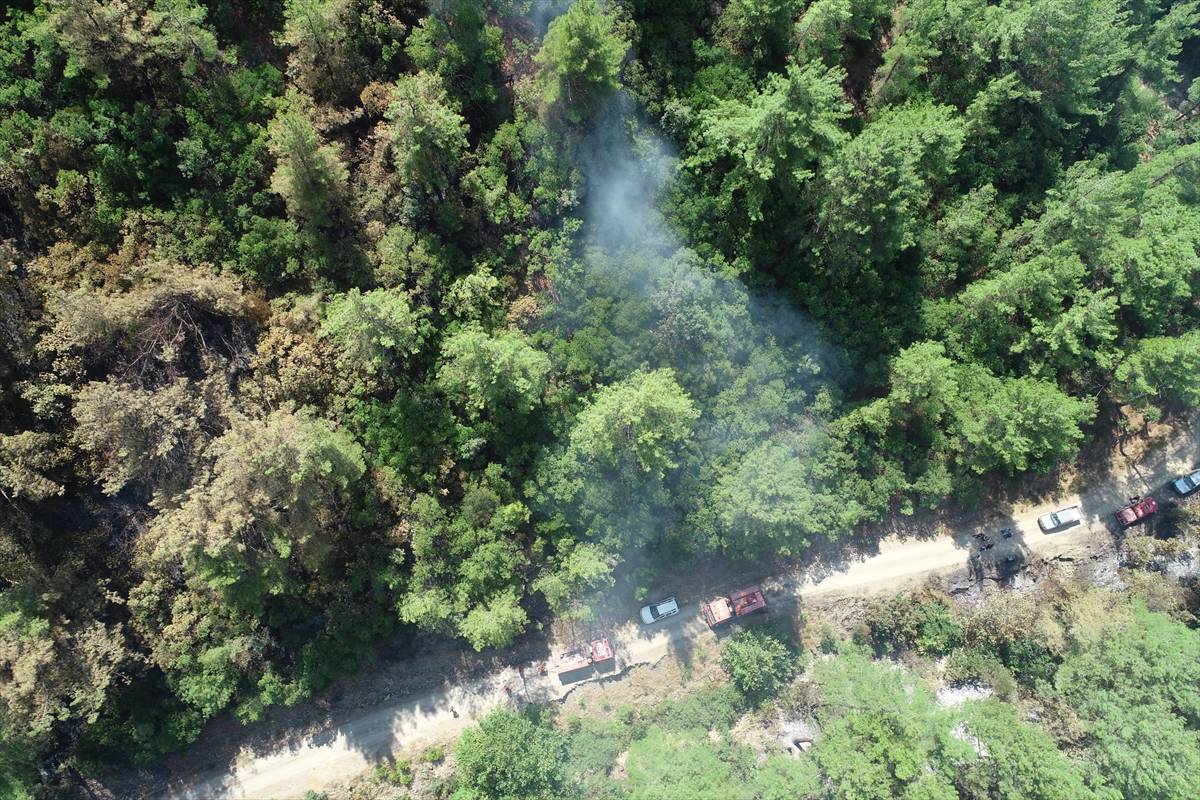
column 428, row 133
column 580, row 59
column 508, row 758
column 374, row 328
column 309, row 173
column 495, row 373
column 778, row 137
column 635, row 423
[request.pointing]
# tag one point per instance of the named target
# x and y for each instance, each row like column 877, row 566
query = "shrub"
column 829, row 640
column 718, row 709
column 970, row 664
column 759, row 663
column 396, row 774
column 509, row 756
column 1029, row 661
column 595, row 744
column 922, row 620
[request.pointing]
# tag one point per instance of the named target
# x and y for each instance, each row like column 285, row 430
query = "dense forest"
column 325, row 317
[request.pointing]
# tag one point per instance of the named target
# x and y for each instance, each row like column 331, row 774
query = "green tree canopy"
column 758, row 661
column 1163, row 369
column 879, row 733
column 25, row 460
column 496, row 623
column 776, row 140
column 310, row 175
column 785, row 491
column 1019, row 424
column 456, row 42
column 500, row 374
column 878, row 185
column 635, row 425
column 759, row 29
column 467, row 571
column 507, row 757
column 1137, row 689
column 123, row 39
column 139, row 434
column 323, row 63
column 272, row 505
column 428, row 134
column 580, row 59
column 1017, row 760
column 377, row 329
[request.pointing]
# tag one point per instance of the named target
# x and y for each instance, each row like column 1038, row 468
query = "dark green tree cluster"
column 321, row 317
column 972, row 201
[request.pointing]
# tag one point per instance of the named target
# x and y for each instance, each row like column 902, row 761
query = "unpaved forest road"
column 346, row 751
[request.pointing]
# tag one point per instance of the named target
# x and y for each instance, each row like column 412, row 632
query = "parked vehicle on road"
column 1187, row 484
column 1137, row 511
column 656, row 611
column 1060, row 519
column 583, row 655
column 736, row 605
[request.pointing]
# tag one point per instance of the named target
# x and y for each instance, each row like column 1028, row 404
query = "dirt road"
column 354, row 747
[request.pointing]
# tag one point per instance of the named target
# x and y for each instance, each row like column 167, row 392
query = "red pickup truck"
column 1139, row 510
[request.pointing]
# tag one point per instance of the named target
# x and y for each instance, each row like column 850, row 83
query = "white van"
column 1060, row 519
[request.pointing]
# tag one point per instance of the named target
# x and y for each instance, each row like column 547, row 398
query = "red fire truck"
column 737, row 604
column 583, row 655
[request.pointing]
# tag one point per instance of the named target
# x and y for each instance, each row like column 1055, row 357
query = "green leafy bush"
column 969, row 664
column 922, row 621
column 1029, row 661
column 714, row 708
column 759, row 662
column 507, row 756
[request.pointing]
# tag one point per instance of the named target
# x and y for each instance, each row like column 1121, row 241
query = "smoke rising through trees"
column 324, row 318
